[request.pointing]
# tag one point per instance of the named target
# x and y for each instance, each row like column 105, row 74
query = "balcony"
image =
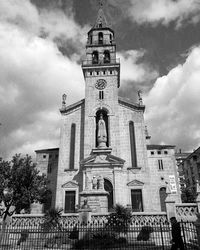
column 101, row 42
column 100, row 62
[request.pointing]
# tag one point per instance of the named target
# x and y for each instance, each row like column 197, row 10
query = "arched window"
column 109, row 188
column 100, row 38
column 72, row 146
column 133, row 145
column 106, row 56
column 163, row 195
column 95, row 57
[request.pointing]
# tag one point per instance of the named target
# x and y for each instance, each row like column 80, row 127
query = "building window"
column 111, row 72
column 91, row 73
column 165, row 152
column 160, row 164
column 159, row 152
column 44, row 156
column 49, row 168
column 104, row 72
column 101, row 95
column 72, row 146
column 136, row 199
column 152, row 152
column 70, row 201
column 133, row 145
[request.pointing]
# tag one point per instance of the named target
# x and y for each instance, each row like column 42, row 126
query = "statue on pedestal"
column 100, row 182
column 94, row 182
column 102, row 134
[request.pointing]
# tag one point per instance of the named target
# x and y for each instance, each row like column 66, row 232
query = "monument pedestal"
column 97, row 200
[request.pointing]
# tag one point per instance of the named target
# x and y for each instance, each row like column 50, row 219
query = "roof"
column 159, row 147
column 196, row 152
column 183, row 155
column 128, row 103
column 46, row 150
column 101, row 21
column 69, row 108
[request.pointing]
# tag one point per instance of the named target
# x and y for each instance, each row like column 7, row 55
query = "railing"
column 102, row 236
column 70, row 220
column 100, row 62
column 186, row 211
column 101, row 42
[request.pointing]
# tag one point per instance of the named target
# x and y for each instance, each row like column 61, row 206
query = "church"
column 105, row 155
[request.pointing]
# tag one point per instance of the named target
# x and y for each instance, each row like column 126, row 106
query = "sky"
column 42, row 44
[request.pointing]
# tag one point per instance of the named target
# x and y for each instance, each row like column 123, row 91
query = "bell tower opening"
column 95, row 57
column 100, row 38
column 102, row 132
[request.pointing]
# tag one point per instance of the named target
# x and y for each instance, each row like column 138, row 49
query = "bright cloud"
column 132, row 70
column 160, row 11
column 165, row 11
column 173, row 104
column 34, row 75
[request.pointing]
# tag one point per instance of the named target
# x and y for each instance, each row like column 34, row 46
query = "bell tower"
column 101, row 71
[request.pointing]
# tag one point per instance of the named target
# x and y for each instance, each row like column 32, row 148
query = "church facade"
column 105, row 156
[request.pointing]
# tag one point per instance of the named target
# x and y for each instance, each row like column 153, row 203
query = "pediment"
column 135, row 183
column 97, row 159
column 70, row 184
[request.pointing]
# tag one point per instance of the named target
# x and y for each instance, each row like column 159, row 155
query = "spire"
column 101, row 21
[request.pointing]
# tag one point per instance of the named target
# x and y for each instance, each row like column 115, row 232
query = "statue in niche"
column 102, row 134
column 100, row 184
column 94, row 182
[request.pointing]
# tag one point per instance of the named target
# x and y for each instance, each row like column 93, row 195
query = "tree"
column 20, row 186
column 24, row 183
column 187, row 195
column 120, row 219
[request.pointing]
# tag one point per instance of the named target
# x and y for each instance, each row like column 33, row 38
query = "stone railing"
column 70, row 220
column 150, row 219
column 35, row 220
column 186, row 211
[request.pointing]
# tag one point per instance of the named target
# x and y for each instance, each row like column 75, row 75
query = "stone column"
column 170, row 204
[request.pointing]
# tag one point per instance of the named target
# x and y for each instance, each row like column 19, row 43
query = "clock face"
column 101, row 84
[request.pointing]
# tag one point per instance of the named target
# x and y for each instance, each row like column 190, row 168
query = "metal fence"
column 101, row 236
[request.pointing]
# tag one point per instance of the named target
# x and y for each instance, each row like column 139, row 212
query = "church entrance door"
column 109, row 188
column 163, row 196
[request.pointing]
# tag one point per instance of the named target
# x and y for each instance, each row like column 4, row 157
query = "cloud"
column 33, row 76
column 135, row 73
column 173, row 105
column 160, row 11
column 133, row 69
column 165, row 11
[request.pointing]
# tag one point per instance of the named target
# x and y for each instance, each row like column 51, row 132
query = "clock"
column 100, row 84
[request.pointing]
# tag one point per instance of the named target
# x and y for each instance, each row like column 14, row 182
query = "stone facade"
column 191, row 169
column 124, row 170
